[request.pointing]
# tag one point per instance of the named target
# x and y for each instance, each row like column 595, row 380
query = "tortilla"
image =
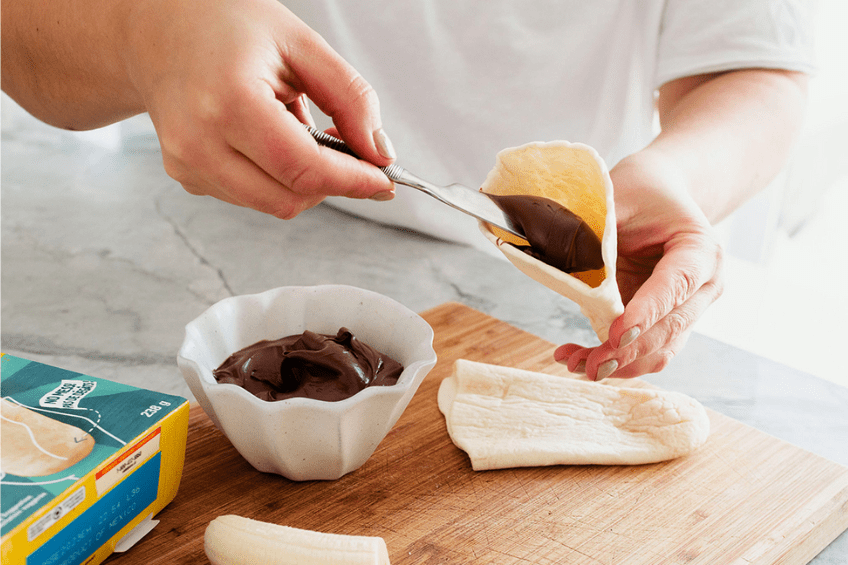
column 574, row 175
column 504, row 417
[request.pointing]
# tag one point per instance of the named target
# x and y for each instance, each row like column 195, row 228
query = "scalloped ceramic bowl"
column 302, row 438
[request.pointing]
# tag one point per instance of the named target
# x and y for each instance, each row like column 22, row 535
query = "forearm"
column 63, row 61
column 728, row 135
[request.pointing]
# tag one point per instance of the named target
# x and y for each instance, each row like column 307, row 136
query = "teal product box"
column 83, row 461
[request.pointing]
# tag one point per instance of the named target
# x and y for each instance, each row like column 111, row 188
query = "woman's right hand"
column 226, row 84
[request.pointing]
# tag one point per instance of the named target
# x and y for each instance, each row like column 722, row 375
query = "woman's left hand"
column 669, row 271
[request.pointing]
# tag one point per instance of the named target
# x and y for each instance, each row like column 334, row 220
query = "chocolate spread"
column 312, row 365
column 557, row 236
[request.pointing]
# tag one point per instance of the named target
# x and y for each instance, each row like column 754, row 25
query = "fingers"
column 237, row 180
column 654, row 362
column 573, row 356
column 650, row 352
column 300, row 110
column 657, row 321
column 343, row 94
column 271, row 136
column 691, row 263
column 253, row 151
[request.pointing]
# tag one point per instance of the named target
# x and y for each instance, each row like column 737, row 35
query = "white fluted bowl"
column 302, row 438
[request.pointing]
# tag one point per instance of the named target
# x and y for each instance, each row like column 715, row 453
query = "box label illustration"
column 83, row 460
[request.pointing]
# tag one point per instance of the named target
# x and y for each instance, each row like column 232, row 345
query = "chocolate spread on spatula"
column 312, row 365
column 557, row 236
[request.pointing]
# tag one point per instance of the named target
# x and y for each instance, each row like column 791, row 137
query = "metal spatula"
column 464, row 199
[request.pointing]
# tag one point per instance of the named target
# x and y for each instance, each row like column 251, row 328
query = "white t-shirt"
column 460, row 80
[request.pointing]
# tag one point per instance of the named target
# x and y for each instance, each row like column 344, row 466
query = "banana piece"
column 235, row 540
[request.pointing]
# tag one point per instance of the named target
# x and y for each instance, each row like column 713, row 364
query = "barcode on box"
column 42, row 524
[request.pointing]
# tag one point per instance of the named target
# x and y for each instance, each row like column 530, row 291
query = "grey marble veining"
column 105, row 259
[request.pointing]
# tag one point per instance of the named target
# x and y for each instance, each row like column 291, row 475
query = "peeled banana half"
column 235, row 540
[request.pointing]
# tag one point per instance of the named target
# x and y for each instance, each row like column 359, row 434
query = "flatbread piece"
column 504, row 417
column 575, row 176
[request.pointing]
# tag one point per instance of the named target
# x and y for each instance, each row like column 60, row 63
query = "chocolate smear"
column 557, row 236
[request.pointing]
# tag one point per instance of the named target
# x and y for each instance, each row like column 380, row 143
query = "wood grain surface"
column 744, row 497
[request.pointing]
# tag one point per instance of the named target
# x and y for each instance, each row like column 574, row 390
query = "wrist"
column 651, row 183
column 651, row 170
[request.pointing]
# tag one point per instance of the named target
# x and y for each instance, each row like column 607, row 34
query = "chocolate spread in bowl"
column 312, row 365
column 557, row 236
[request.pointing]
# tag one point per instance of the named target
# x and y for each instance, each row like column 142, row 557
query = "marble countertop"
column 105, row 259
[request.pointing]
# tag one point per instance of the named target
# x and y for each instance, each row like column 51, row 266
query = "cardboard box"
column 83, row 461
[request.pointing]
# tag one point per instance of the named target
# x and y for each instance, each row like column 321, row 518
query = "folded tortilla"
column 504, row 417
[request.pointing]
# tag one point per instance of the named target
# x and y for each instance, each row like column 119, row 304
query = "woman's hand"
column 724, row 137
column 226, row 84
column 669, row 271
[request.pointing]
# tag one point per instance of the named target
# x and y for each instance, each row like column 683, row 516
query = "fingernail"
column 606, row 369
column 628, row 337
column 384, row 144
column 580, row 368
column 382, row 196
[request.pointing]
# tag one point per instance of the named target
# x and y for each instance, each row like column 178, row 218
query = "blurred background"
column 787, row 268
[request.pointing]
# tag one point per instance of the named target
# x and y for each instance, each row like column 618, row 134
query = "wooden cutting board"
column 744, row 497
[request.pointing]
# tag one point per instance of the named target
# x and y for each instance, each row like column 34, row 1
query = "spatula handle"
column 394, row 172
column 464, row 199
